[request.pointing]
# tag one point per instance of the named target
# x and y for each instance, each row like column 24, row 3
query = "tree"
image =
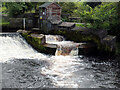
column 93, row 4
column 68, row 7
column 105, row 15
column 15, row 8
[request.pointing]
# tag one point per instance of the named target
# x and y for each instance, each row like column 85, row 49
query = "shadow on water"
column 24, row 73
column 85, row 72
column 106, row 70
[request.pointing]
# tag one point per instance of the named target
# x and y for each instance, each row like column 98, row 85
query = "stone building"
column 49, row 14
column 50, row 11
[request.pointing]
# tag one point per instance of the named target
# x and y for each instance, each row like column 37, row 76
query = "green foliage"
column 67, row 7
column 103, row 16
column 15, row 8
column 82, row 11
column 84, row 25
column 93, row 4
column 3, row 22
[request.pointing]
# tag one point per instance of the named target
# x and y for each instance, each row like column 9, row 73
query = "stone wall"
column 18, row 23
column 105, row 43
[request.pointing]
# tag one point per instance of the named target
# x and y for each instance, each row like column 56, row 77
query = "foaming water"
column 29, row 69
column 74, row 72
column 63, row 72
column 54, row 38
column 12, row 45
column 63, row 47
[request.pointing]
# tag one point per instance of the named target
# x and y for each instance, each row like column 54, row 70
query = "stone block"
column 40, row 36
column 109, row 41
column 100, row 33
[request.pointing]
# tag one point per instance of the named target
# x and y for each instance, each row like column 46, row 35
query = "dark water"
column 23, row 67
column 84, row 73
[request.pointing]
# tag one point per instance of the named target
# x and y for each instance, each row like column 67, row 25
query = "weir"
column 64, row 47
column 13, row 45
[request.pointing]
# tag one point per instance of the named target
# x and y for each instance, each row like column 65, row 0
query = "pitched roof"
column 47, row 4
column 66, row 24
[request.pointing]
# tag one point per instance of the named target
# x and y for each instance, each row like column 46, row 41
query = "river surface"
column 24, row 67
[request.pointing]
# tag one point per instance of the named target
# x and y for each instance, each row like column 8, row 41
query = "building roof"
column 66, row 24
column 47, row 4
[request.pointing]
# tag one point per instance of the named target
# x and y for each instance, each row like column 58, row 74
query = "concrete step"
column 81, row 45
column 67, row 25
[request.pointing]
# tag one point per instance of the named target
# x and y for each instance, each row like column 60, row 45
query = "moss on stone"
column 36, row 44
column 33, row 41
column 77, row 36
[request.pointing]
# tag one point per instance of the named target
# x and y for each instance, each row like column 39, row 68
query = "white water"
column 51, row 39
column 12, row 45
column 63, row 47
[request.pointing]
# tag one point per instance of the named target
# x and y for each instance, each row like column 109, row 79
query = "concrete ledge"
column 67, row 24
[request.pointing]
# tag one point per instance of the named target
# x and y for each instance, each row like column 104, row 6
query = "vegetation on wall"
column 36, row 44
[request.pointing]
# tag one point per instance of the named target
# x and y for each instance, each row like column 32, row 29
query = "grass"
column 4, row 23
column 88, row 25
column 80, row 25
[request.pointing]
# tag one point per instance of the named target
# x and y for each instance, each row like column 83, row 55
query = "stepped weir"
column 64, row 47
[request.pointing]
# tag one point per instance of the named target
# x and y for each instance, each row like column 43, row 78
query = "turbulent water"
column 64, row 48
column 23, row 67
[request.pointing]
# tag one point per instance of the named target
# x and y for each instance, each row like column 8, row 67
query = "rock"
column 23, row 31
column 100, row 33
column 35, row 29
column 40, row 36
column 109, row 41
column 20, row 31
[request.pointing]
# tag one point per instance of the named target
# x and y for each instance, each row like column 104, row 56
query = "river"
column 24, row 67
